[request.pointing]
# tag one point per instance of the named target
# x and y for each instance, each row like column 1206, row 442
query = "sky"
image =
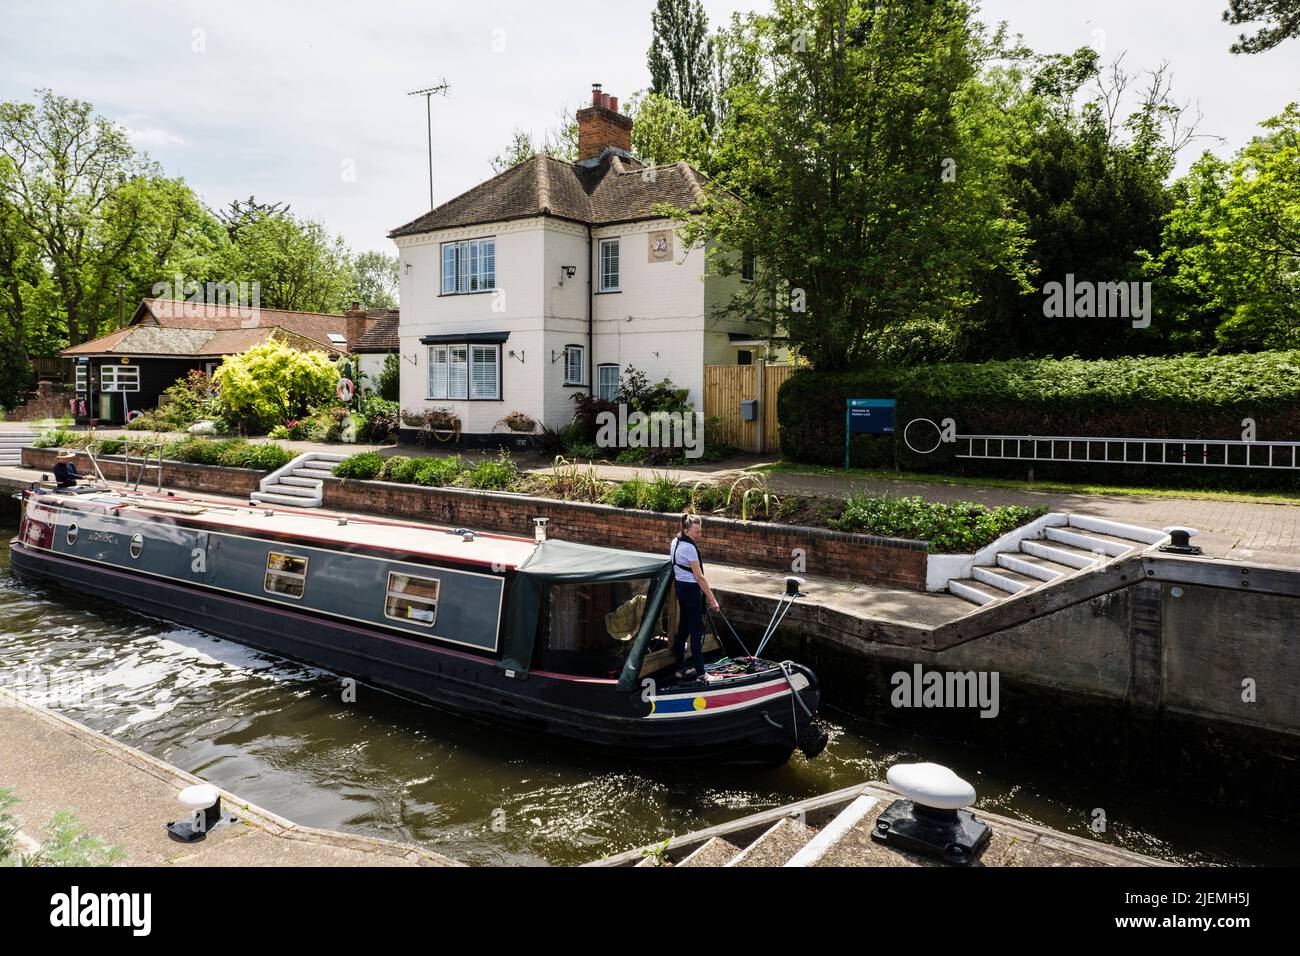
column 305, row 102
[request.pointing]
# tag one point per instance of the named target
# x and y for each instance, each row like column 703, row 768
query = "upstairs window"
column 574, row 364
column 748, row 265
column 469, row 266
column 609, row 277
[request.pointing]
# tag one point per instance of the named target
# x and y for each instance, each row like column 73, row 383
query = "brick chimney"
column 355, row 323
column 601, row 125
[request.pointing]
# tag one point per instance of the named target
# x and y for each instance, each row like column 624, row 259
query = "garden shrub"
column 365, row 467
column 957, row 527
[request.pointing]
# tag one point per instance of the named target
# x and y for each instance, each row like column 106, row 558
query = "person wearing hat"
column 65, row 470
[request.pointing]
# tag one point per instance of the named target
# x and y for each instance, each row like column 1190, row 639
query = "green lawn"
column 1266, row 497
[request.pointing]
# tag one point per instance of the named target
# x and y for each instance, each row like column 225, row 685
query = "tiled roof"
column 611, row 191
column 381, row 336
column 165, row 327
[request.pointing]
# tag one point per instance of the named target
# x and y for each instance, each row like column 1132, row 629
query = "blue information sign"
column 867, row 416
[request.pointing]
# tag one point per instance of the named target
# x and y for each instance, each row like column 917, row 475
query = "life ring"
column 345, row 390
column 133, row 414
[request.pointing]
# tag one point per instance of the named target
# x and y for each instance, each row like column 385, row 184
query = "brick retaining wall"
column 851, row 557
column 179, row 475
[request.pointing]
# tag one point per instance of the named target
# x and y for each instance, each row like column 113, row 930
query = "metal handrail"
column 1289, row 460
column 126, row 461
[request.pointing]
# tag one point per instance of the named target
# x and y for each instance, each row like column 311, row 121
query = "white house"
column 556, row 277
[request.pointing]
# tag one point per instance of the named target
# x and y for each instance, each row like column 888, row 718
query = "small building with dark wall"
column 128, row 370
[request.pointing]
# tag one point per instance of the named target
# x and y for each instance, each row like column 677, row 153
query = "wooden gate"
column 726, row 386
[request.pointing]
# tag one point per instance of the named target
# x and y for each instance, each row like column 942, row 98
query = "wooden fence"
column 726, row 386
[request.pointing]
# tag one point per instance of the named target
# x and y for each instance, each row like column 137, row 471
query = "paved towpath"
column 125, row 796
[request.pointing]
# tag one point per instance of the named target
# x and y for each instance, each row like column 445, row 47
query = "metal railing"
column 153, row 450
column 1198, row 452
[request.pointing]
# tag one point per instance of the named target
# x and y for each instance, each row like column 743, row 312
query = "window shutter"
column 484, row 371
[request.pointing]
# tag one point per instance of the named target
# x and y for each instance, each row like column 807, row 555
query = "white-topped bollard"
column 930, row 819
column 203, row 801
column 931, row 785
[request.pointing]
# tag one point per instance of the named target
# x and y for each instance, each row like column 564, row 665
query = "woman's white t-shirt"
column 683, row 554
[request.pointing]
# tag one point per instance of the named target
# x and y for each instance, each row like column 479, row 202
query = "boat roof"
column 505, row 552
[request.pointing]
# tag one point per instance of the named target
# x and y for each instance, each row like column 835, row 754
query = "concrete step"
column 775, row 847
column 830, row 837
column 1117, row 529
column 1060, row 553
column 714, row 852
column 1034, row 567
column 315, row 473
column 329, row 456
column 271, row 498
column 977, row 592
column 1004, row 579
column 1109, row 545
column 313, row 483
column 293, row 490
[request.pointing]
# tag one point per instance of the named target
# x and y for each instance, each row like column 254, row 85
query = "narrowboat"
column 548, row 636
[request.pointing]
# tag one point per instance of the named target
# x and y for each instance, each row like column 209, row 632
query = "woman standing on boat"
column 692, row 590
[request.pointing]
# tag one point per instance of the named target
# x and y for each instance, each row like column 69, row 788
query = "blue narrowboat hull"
column 749, row 720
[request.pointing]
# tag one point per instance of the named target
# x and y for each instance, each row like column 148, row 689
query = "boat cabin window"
column 286, row 574
column 590, row 627
column 412, row 599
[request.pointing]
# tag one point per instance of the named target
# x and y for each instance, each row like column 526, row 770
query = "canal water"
column 281, row 735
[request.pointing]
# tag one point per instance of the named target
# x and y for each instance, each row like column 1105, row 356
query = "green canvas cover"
column 566, row 562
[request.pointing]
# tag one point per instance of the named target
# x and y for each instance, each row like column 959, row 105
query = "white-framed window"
column 485, row 371
column 575, row 364
column 411, row 599
column 447, row 371
column 83, row 377
column 119, row 378
column 286, row 575
column 607, row 383
column 748, row 266
column 465, row 371
column 609, row 265
column 469, row 266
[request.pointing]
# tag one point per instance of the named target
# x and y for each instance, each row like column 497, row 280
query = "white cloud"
column 152, row 137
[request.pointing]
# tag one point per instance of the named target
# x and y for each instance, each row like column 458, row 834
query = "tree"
column 98, row 214
column 240, row 212
column 1282, row 17
column 861, row 167
column 559, row 142
column 273, row 383
column 66, row 165
column 665, row 132
column 1230, row 256
column 681, row 56
column 376, row 280
column 1088, row 177
column 297, row 264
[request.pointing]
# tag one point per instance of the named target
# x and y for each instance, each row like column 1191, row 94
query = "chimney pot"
column 604, row 100
column 595, row 94
column 613, row 103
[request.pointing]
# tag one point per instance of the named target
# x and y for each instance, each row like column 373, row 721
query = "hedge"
column 1190, row 397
